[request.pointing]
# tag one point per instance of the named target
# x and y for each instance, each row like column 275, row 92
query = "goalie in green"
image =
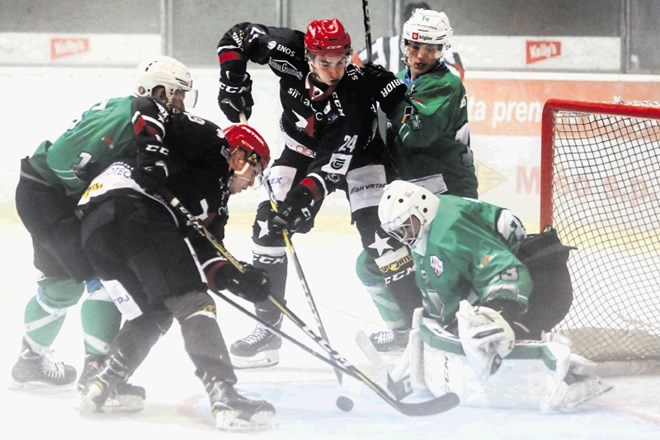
column 491, row 297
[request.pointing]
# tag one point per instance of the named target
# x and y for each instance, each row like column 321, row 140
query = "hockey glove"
column 486, row 338
column 294, row 213
column 151, row 170
column 235, row 95
column 252, row 285
column 384, row 86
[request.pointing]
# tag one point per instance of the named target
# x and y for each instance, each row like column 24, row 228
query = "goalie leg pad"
column 538, row 375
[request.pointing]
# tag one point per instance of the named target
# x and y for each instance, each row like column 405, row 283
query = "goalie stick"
column 426, row 408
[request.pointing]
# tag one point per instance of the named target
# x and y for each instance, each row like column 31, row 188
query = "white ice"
column 302, row 388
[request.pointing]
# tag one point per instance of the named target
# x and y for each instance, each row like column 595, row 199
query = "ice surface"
column 302, row 388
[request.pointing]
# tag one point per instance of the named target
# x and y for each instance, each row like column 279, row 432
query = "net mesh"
column 606, row 202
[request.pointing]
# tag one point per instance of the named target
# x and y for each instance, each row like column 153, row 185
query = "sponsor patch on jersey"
column 396, row 265
column 436, row 265
column 485, row 260
column 285, row 67
column 338, row 164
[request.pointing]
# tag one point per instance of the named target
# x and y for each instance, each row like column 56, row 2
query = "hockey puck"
column 344, row 403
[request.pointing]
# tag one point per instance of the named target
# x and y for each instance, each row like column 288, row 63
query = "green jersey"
column 432, row 135
column 117, row 128
column 469, row 253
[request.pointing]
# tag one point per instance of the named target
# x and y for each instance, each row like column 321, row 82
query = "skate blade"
column 230, row 421
column 268, row 358
column 86, row 405
column 38, row 386
column 124, row 404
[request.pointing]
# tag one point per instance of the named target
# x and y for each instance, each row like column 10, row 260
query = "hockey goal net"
column 600, row 188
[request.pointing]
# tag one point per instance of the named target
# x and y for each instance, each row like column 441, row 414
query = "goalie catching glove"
column 235, row 95
column 384, row 86
column 252, row 285
column 486, row 337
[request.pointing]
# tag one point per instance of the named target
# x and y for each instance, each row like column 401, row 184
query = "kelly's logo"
column 542, row 50
column 64, row 47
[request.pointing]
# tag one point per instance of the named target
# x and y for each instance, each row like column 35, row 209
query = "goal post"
column 600, row 188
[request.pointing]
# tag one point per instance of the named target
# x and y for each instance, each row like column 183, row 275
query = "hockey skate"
column 259, row 349
column 234, row 412
column 107, row 390
column 33, row 368
column 390, row 340
column 125, row 397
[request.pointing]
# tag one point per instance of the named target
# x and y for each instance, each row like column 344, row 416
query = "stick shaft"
column 367, row 28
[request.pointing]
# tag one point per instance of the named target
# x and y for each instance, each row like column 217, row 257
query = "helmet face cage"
column 247, row 139
column 168, row 73
column 426, row 26
column 401, row 202
column 327, row 38
column 403, row 229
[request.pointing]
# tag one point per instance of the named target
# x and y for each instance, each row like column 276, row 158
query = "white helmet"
column 428, row 27
column 167, row 72
column 402, row 200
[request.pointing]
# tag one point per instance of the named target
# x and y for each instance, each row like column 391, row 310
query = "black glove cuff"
column 509, row 310
column 218, row 273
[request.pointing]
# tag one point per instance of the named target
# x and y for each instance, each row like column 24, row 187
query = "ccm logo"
column 542, row 50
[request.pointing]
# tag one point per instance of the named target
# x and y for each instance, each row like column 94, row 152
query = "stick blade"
column 430, row 407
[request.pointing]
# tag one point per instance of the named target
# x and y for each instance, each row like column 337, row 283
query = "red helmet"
column 328, row 38
column 245, row 137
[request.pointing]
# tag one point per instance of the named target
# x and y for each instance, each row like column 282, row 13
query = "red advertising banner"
column 513, row 106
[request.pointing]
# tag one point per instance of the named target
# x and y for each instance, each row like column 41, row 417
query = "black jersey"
column 284, row 52
column 200, row 171
column 333, row 127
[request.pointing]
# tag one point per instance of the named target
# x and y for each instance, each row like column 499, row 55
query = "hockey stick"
column 426, row 408
column 434, row 406
column 301, row 274
column 430, row 407
column 173, row 201
column 296, row 261
column 299, row 270
column 367, row 28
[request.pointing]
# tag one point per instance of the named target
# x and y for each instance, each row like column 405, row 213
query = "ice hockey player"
column 429, row 139
column 50, row 184
column 133, row 236
column 385, row 51
column 479, row 299
column 331, row 142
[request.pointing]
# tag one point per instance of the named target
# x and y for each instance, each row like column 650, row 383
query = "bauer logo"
column 542, row 50
column 64, row 47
